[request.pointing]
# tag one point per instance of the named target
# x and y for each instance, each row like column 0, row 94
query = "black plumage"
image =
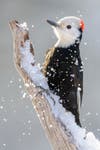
column 64, row 71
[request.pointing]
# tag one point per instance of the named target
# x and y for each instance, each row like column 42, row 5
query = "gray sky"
column 19, row 125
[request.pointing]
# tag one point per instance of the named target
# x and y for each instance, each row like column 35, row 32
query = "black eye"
column 68, row 26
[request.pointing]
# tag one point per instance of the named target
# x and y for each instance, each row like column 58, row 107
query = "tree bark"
column 52, row 127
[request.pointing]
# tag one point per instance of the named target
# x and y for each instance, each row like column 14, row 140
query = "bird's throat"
column 65, row 43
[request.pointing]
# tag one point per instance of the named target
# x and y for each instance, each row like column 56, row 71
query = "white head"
column 68, row 30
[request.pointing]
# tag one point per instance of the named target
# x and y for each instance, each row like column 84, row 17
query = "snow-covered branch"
column 59, row 125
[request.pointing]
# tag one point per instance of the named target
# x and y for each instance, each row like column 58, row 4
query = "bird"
column 63, row 66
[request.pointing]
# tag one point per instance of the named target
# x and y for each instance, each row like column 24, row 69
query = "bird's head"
column 68, row 30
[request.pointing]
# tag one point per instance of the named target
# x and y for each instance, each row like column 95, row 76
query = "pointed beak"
column 54, row 24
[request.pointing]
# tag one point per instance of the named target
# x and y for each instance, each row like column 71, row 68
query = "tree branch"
column 52, row 127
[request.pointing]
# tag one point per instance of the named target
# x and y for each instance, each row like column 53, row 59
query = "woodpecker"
column 63, row 65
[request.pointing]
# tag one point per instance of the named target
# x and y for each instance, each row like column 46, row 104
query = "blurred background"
column 20, row 128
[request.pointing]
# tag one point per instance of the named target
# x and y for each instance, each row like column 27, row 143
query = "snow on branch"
column 59, row 125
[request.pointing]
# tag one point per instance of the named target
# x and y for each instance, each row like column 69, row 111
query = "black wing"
column 78, row 80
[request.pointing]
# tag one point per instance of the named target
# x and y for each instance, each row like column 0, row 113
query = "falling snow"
column 4, row 144
column 85, row 43
column 88, row 114
column 20, row 86
column 5, row 119
column 32, row 26
column 85, row 58
column 50, row 125
column 24, row 95
column 1, row 107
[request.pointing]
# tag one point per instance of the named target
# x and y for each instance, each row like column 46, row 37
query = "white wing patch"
column 78, row 98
